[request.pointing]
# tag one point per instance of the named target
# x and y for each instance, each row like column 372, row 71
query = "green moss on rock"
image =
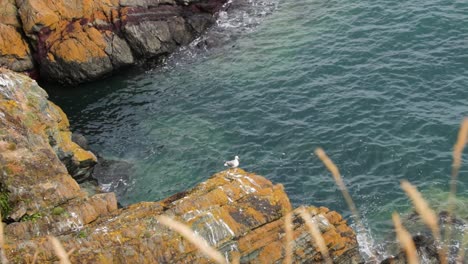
column 32, row 217
column 58, row 211
column 5, row 207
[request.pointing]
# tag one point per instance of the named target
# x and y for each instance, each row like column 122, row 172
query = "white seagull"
column 232, row 163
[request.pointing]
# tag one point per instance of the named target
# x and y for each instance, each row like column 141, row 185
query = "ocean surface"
column 382, row 86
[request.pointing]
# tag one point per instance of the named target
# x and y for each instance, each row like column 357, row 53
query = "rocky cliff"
column 77, row 41
column 235, row 211
column 37, row 162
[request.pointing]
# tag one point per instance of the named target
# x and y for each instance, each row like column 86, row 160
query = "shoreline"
column 40, row 199
column 231, row 209
column 73, row 43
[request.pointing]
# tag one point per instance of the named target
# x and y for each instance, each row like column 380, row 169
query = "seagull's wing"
column 229, row 163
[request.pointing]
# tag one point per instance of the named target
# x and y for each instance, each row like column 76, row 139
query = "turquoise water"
column 381, row 85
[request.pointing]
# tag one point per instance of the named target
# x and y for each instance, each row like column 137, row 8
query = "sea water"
column 382, row 86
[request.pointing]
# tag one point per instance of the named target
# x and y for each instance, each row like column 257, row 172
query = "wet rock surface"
column 113, row 175
column 426, row 248
column 78, row 41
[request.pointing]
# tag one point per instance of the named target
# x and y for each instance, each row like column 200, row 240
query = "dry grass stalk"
column 289, row 242
column 35, row 257
column 235, row 257
column 2, row 238
column 3, row 258
column 316, row 235
column 461, row 255
column 457, row 158
column 422, row 208
column 339, row 181
column 195, row 239
column 427, row 214
column 59, row 250
column 459, row 146
column 405, row 240
column 71, row 251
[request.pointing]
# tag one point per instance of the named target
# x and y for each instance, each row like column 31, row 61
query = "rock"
column 30, row 165
column 63, row 219
column 264, row 246
column 80, row 140
column 80, row 41
column 234, row 211
column 427, row 252
column 425, row 244
column 78, row 161
column 113, row 175
column 35, row 147
column 14, row 49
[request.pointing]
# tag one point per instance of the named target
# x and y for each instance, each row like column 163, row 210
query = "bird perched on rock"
column 232, row 163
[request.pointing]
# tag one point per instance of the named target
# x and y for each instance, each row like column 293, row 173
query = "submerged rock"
column 80, row 140
column 426, row 248
column 113, row 175
column 80, row 41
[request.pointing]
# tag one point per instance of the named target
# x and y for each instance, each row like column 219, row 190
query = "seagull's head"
column 236, row 157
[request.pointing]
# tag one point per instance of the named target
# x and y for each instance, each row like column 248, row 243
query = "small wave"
column 245, row 15
column 236, row 18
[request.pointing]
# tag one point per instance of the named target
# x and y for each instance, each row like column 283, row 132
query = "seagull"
column 232, row 163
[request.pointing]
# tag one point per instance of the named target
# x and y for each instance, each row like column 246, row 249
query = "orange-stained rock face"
column 79, row 41
column 14, row 49
column 236, row 212
column 35, row 152
column 50, row 13
column 9, row 13
column 79, row 45
column 12, row 43
column 15, row 53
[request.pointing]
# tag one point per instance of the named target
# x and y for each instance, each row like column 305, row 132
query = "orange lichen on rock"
column 64, row 142
column 246, row 220
column 37, row 14
column 9, row 13
column 79, row 41
column 80, row 45
column 36, row 134
column 48, row 13
column 14, row 51
column 67, row 39
column 264, row 243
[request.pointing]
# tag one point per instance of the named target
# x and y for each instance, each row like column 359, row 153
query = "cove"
column 380, row 85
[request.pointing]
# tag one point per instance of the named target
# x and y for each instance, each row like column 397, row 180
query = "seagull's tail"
column 225, row 164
